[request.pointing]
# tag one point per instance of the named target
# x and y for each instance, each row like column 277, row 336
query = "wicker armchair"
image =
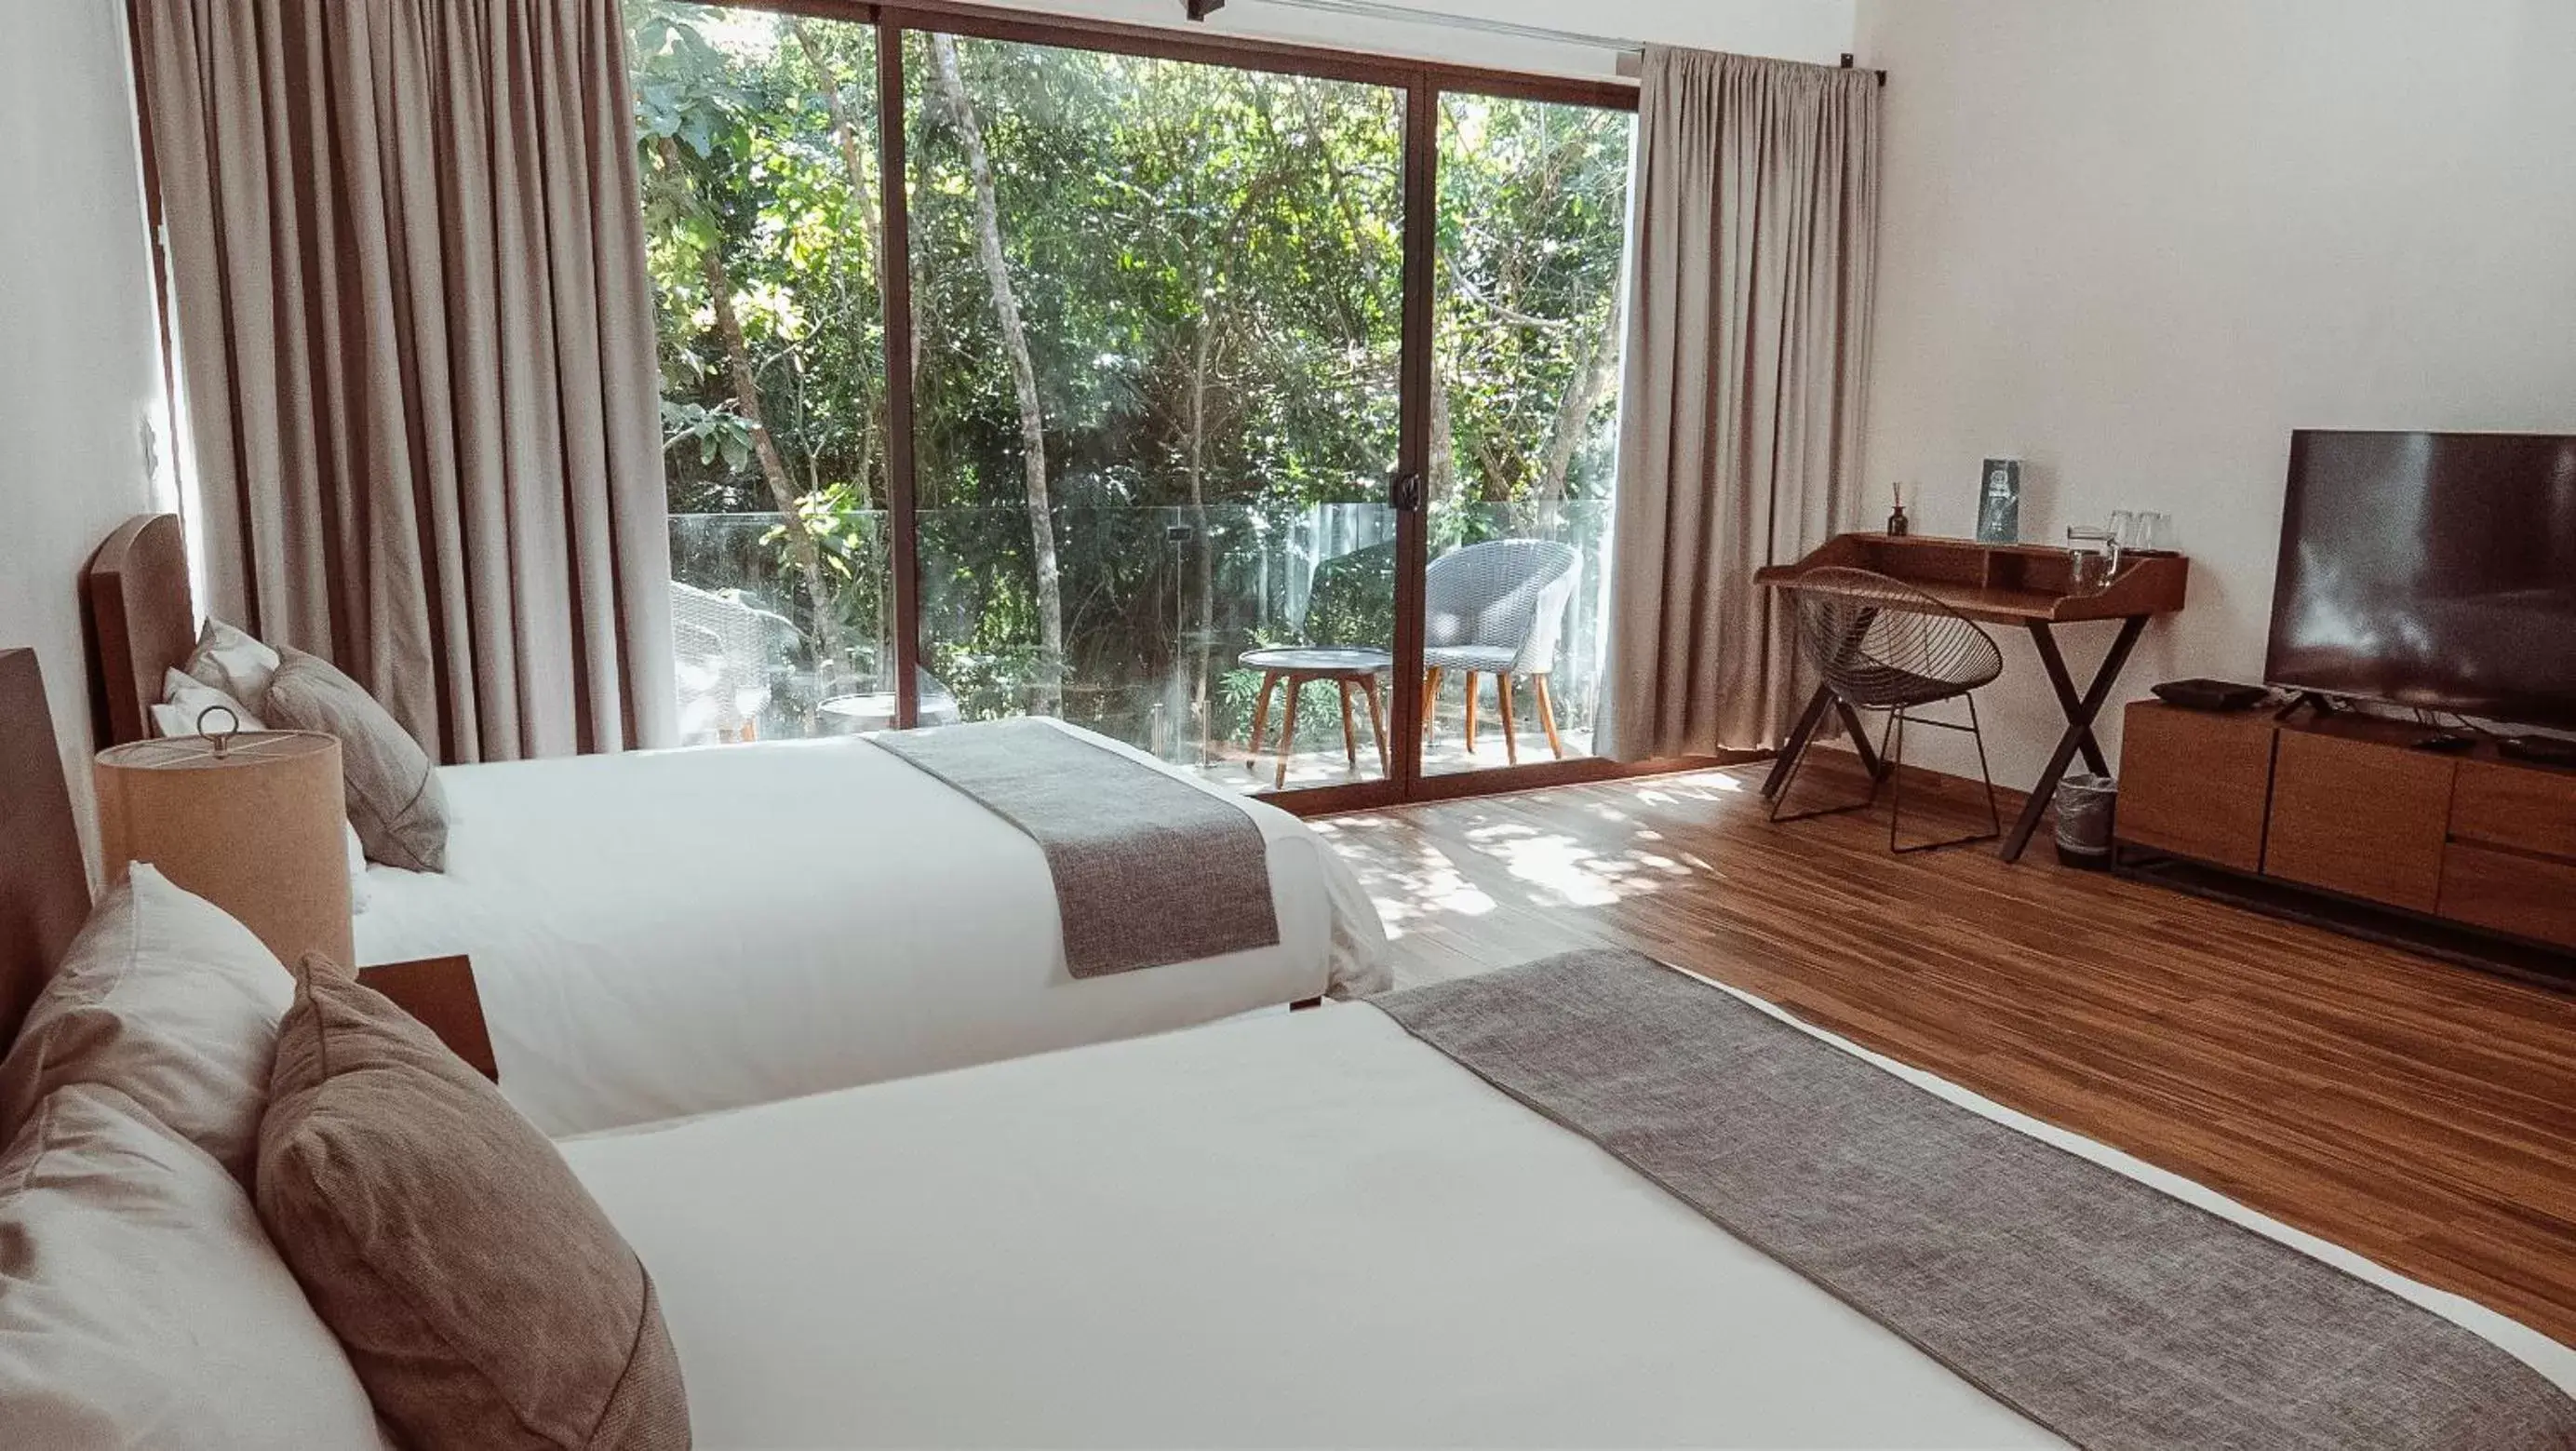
column 723, row 649
column 1497, row 608
column 1882, row 644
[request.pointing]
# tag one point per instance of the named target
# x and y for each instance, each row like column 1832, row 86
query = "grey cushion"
column 392, row 789
column 484, row 1298
column 1497, row 658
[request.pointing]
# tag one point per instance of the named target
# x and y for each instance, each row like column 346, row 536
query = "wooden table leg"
column 1350, row 730
column 1853, row 634
column 1799, row 734
column 2079, row 731
column 1288, row 731
column 1859, row 734
column 2044, row 639
column 1471, row 712
column 1511, row 734
column 1377, row 722
column 1260, row 718
column 1547, row 714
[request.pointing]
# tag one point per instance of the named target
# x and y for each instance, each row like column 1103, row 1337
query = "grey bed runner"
column 2110, row 1313
column 1148, row 870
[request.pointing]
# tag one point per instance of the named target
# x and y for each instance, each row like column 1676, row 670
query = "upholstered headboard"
column 44, row 883
column 141, row 622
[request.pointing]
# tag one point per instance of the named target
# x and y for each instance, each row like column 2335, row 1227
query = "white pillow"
column 231, row 661
column 146, row 1306
column 357, row 854
column 184, row 700
column 171, row 1002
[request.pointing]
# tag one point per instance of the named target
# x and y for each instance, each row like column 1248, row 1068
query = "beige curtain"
column 416, row 338
column 1748, row 347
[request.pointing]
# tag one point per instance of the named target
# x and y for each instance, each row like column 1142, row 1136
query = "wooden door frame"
column 1419, row 86
column 1210, row 47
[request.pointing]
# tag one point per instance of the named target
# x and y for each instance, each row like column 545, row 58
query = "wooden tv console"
column 2343, row 806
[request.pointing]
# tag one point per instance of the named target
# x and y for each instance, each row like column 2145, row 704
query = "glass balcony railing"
column 778, row 637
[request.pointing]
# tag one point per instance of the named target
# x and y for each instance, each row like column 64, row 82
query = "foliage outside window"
column 1157, row 317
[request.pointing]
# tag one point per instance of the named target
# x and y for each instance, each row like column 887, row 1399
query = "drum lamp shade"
column 253, row 823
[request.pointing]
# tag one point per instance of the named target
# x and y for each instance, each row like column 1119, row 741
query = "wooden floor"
column 2420, row 1113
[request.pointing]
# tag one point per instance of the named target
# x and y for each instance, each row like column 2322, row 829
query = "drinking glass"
column 2094, row 555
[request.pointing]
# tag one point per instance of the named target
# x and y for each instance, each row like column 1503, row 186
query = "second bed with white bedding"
column 669, row 933
column 1308, row 1230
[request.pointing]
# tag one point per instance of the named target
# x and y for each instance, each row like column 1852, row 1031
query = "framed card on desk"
column 1999, row 502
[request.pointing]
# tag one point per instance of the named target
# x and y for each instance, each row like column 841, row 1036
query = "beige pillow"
column 167, row 999
column 392, row 790
column 143, row 1304
column 483, row 1297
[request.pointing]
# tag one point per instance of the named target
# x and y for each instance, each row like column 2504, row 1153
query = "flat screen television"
column 2435, row 570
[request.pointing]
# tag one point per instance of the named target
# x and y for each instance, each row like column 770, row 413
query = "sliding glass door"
column 1157, row 326
column 1204, row 394
column 1524, row 411
column 758, row 141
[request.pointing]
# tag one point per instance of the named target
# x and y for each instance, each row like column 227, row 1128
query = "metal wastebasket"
column 2084, row 807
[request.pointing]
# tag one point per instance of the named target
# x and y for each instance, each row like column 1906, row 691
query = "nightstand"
column 440, row 992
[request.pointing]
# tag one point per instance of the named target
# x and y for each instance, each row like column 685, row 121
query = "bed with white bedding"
column 662, row 933
column 1335, row 1236
column 667, row 933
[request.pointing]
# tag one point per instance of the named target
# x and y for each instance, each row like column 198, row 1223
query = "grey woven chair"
column 1882, row 644
column 1497, row 608
column 725, row 648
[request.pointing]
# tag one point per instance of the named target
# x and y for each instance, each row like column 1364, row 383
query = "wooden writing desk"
column 2028, row 585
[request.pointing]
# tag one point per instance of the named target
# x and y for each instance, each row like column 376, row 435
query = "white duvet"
column 668, row 933
column 1301, row 1230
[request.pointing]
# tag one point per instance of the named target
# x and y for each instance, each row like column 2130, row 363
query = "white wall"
column 1810, row 30
column 2137, row 244
column 80, row 372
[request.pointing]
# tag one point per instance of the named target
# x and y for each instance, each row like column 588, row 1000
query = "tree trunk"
column 845, row 132
column 1583, row 395
column 1444, row 449
column 801, row 548
column 1024, row 377
column 1203, row 359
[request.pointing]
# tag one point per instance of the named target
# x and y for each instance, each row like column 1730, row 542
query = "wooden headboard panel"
column 141, row 622
column 44, row 883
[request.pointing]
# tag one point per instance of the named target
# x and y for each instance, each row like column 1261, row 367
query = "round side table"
column 1349, row 667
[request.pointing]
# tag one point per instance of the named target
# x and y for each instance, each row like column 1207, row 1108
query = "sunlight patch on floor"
column 1699, row 786
column 1424, row 886
column 1497, row 859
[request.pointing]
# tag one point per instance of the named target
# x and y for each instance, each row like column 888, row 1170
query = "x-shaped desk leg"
column 2080, row 713
column 1811, row 720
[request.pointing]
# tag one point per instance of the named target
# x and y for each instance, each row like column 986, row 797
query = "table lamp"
column 252, row 822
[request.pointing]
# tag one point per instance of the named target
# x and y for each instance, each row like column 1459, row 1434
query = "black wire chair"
column 1882, row 644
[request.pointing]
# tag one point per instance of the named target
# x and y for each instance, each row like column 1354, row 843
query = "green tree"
column 1156, row 322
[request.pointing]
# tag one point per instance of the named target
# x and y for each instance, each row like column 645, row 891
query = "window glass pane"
column 759, row 148
column 1158, row 308
column 1524, row 411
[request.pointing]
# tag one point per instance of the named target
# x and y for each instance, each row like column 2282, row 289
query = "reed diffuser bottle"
column 1897, row 527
